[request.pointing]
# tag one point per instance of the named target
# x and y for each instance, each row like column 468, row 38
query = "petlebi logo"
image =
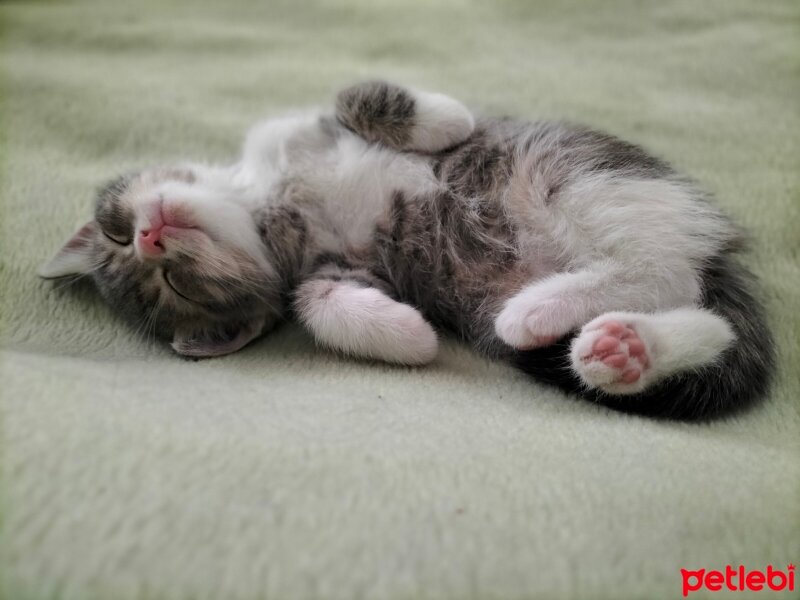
column 738, row 579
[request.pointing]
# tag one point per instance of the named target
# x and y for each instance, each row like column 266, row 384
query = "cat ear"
column 75, row 257
column 207, row 343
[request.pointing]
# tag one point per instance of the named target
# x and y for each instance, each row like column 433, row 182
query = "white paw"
column 365, row 322
column 613, row 354
column 526, row 323
column 441, row 122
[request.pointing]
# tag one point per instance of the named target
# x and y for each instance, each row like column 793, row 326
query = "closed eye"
column 171, row 285
column 122, row 241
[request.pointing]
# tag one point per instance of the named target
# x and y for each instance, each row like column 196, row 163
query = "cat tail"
column 737, row 379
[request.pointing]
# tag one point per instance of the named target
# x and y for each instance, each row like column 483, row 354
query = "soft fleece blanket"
column 286, row 472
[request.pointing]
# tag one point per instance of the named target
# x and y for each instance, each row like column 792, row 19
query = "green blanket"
column 284, row 471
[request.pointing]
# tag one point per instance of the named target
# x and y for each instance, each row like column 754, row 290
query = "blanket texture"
column 284, row 471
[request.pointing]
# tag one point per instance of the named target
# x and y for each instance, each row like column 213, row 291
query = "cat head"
column 172, row 250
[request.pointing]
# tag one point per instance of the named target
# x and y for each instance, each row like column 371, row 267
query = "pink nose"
column 150, row 241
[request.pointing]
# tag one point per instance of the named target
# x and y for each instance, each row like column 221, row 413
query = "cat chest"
column 359, row 186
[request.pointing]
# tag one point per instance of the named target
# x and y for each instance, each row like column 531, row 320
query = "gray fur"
column 378, row 111
column 456, row 248
column 135, row 288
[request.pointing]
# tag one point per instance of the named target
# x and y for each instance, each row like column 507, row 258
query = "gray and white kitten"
column 575, row 255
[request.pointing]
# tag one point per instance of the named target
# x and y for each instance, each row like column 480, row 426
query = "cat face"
column 176, row 254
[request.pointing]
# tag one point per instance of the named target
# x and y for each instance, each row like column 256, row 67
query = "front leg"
column 404, row 119
column 351, row 317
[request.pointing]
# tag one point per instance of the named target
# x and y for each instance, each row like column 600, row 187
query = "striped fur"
column 401, row 211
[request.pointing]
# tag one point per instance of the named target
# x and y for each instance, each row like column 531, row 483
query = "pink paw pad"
column 621, row 349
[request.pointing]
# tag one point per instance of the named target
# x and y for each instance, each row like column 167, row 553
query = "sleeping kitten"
column 577, row 256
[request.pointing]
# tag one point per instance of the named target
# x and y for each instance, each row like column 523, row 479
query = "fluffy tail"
column 740, row 376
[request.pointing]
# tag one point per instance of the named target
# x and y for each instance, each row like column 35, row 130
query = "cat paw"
column 363, row 321
column 612, row 355
column 526, row 327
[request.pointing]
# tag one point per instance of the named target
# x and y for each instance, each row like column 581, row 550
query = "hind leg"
column 625, row 352
column 543, row 312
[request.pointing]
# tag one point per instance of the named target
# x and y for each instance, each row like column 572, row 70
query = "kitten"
column 576, row 256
